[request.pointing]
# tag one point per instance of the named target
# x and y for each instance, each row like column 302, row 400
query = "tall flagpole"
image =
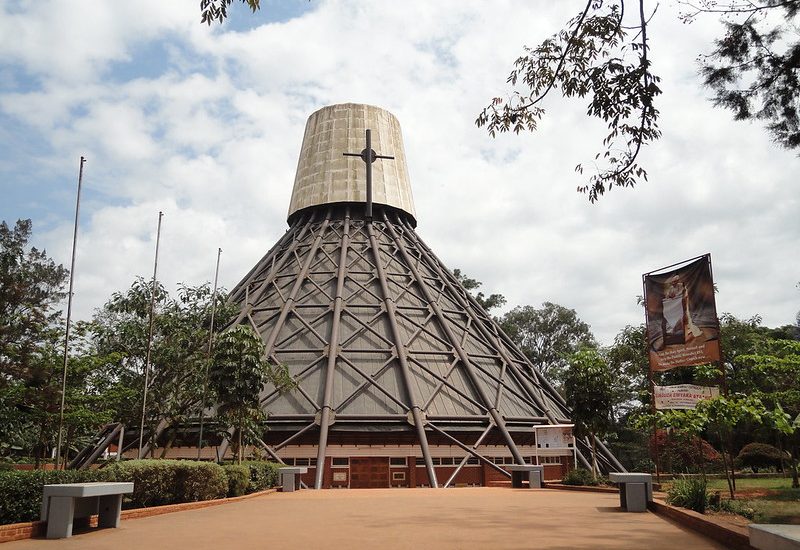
column 69, row 317
column 150, row 334
column 208, row 353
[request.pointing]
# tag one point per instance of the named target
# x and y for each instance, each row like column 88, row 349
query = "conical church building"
column 403, row 380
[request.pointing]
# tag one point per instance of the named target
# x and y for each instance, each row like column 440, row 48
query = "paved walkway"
column 481, row 518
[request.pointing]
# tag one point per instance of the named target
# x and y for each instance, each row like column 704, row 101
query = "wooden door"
column 369, row 473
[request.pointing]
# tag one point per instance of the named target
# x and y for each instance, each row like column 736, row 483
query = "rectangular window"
column 398, row 476
column 420, row 462
column 398, row 462
column 446, row 461
column 288, row 461
column 528, row 460
column 301, row 462
column 338, row 462
column 473, row 461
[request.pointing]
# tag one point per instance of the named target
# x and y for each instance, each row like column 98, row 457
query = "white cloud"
column 209, row 129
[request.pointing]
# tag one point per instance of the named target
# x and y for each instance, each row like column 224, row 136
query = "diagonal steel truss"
column 377, row 332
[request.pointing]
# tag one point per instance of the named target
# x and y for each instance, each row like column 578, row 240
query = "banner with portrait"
column 682, row 324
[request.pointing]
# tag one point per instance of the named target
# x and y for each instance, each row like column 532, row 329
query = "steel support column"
column 469, row 369
column 402, row 357
column 333, row 353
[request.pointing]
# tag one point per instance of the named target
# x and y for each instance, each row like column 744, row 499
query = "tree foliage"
column 754, row 69
column 217, row 10
column 588, row 389
column 598, row 57
column 236, row 379
column 547, row 335
column 490, row 302
column 603, row 55
column 117, row 338
column 31, row 286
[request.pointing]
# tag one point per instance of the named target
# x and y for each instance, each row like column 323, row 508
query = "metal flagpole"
column 150, row 334
column 208, row 353
column 69, row 317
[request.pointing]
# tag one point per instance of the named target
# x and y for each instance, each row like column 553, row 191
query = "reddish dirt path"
column 397, row 518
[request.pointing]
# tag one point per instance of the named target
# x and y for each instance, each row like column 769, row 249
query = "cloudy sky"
column 205, row 124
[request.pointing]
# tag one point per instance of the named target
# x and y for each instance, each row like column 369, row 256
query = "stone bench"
column 61, row 504
column 774, row 537
column 533, row 473
column 290, row 477
column 635, row 490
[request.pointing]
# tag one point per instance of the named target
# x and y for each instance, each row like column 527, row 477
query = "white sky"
column 206, row 125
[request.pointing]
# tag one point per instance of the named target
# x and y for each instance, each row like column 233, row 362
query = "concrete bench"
column 635, row 490
column 61, row 504
column 533, row 473
column 774, row 537
column 290, row 477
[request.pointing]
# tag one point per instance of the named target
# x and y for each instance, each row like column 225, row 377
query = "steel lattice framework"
column 380, row 337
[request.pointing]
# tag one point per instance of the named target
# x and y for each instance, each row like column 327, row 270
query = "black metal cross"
column 368, row 155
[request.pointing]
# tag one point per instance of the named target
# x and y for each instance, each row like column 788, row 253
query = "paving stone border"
column 32, row 529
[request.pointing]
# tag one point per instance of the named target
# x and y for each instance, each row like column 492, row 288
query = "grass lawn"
column 763, row 500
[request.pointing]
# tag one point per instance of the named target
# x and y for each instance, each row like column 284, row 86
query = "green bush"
column 5, row 466
column 689, row 492
column 263, row 475
column 21, row 491
column 158, row 482
column 238, row 479
column 759, row 455
column 739, row 507
column 581, row 476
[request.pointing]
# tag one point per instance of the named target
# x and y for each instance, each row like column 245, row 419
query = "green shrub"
column 238, row 479
column 759, row 455
column 581, row 476
column 263, row 475
column 5, row 466
column 21, row 491
column 689, row 492
column 158, row 482
column 742, row 508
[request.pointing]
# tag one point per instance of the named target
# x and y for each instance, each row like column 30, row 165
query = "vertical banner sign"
column 682, row 325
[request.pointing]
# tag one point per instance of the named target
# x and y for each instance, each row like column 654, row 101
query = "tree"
column 31, row 287
column 588, row 388
column 117, row 338
column 236, row 378
column 217, row 10
column 602, row 55
column 487, row 302
column 547, row 335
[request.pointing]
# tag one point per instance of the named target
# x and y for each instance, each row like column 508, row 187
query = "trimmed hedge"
column 238, row 479
column 263, row 475
column 158, row 482
column 21, row 491
column 581, row 476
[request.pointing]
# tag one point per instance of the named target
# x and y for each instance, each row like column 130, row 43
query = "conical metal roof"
column 380, row 336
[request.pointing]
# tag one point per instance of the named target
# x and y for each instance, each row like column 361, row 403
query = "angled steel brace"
column 401, row 351
column 470, row 450
column 468, row 368
column 466, row 458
